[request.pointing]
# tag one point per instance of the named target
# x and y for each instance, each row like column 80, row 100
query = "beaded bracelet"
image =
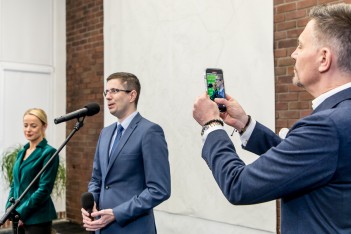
column 246, row 125
column 244, row 128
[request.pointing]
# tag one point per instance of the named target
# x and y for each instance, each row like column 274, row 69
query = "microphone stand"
column 11, row 213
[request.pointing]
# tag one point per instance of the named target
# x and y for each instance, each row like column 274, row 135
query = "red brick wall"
column 85, row 70
column 292, row 103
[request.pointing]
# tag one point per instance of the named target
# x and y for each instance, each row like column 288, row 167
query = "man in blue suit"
column 131, row 173
column 219, row 88
column 310, row 170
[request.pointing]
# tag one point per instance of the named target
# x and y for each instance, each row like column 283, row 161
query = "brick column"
column 85, row 70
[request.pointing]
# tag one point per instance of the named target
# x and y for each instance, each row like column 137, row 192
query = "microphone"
column 88, row 110
column 210, row 86
column 87, row 201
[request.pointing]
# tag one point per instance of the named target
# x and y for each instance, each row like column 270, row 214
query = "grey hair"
column 333, row 28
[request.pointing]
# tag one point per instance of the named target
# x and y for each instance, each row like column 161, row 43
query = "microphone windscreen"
column 87, row 201
column 93, row 108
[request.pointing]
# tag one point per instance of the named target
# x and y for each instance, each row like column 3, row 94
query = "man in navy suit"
column 310, row 170
column 131, row 173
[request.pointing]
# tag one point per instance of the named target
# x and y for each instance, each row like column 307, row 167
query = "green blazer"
column 36, row 206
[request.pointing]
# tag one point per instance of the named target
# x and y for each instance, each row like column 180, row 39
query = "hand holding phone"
column 214, row 82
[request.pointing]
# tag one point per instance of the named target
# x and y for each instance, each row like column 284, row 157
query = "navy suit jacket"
column 135, row 179
column 310, row 170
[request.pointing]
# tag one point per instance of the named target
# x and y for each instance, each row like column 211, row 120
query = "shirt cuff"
column 247, row 134
column 244, row 138
column 209, row 130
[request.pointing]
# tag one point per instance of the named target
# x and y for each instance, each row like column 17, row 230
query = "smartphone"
column 214, row 82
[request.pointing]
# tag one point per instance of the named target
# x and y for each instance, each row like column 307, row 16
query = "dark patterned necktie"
column 118, row 137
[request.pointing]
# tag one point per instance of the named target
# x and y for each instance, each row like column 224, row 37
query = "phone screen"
column 215, row 85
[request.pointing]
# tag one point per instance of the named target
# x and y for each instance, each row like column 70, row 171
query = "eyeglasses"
column 114, row 91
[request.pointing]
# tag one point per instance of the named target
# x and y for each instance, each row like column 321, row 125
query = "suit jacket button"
column 107, row 187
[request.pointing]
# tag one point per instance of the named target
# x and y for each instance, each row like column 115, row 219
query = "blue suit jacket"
column 136, row 178
column 310, row 170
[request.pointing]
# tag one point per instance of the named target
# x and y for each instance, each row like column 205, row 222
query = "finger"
column 84, row 212
column 223, row 115
column 224, row 101
column 87, row 220
column 203, row 96
column 97, row 213
column 94, row 208
column 90, row 227
column 228, row 97
column 97, row 224
column 220, row 101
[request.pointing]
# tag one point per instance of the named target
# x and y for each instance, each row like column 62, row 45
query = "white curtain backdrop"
column 168, row 44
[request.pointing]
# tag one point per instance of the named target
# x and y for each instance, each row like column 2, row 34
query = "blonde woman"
column 36, row 209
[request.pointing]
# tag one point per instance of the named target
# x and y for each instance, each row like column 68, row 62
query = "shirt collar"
column 125, row 123
column 317, row 101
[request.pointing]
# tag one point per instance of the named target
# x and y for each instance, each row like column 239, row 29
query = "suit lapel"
column 105, row 158
column 124, row 140
column 17, row 166
column 33, row 157
column 37, row 153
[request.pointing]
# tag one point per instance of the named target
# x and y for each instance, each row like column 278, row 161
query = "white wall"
column 168, row 44
column 32, row 71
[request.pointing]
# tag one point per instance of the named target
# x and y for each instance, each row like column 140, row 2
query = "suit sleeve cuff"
column 209, row 130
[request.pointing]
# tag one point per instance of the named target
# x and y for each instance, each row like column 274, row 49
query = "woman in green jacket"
column 36, row 209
